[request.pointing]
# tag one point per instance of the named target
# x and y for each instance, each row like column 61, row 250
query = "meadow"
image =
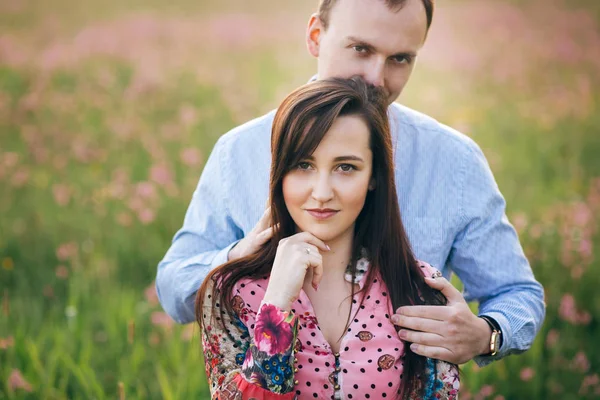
column 108, row 111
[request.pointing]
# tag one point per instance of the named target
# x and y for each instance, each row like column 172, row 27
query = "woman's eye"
column 303, row 166
column 346, row 167
column 360, row 49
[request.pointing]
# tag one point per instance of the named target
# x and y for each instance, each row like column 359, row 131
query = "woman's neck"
column 336, row 260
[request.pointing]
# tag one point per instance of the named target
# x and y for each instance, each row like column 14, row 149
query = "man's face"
column 366, row 38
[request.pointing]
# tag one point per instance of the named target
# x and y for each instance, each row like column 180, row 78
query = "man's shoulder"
column 255, row 132
column 422, row 128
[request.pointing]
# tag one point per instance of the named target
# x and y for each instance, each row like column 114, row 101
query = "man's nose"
column 322, row 189
column 375, row 75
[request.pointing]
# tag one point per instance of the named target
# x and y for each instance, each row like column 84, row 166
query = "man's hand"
column 262, row 232
column 450, row 333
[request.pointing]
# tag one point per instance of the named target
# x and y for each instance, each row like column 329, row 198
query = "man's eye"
column 402, row 59
column 360, row 49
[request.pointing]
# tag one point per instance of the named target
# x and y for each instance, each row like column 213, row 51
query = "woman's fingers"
column 312, row 239
column 316, row 262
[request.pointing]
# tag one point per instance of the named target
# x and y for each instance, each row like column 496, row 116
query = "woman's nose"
column 322, row 190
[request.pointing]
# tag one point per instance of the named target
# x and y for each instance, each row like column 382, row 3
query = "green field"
column 109, row 109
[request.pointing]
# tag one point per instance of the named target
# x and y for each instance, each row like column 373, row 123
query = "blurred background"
column 108, row 111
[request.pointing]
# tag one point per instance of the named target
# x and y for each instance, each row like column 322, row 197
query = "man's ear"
column 313, row 34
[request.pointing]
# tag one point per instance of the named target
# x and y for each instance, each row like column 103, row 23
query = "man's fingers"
column 428, row 339
column 438, row 353
column 443, row 285
column 418, row 324
column 264, row 236
column 439, row 313
column 264, row 222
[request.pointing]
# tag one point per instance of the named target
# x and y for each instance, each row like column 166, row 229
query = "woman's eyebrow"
column 348, row 158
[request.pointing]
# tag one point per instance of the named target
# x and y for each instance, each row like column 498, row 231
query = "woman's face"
column 326, row 192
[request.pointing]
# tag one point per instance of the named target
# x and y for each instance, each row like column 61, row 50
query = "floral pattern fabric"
column 276, row 354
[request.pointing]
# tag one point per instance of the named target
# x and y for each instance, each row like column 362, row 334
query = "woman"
column 307, row 315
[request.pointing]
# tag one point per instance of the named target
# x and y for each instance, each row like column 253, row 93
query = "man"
column 451, row 206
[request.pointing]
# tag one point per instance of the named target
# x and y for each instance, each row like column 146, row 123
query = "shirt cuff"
column 506, row 338
column 222, row 256
column 269, row 361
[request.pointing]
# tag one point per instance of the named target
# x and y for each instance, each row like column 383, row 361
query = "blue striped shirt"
column 451, row 207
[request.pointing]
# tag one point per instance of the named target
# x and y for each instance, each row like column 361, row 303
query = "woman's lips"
column 322, row 214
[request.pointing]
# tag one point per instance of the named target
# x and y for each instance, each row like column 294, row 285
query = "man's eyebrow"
column 368, row 46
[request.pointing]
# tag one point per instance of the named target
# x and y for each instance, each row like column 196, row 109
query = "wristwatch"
column 496, row 339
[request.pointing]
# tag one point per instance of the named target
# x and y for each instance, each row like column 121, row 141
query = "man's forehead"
column 371, row 21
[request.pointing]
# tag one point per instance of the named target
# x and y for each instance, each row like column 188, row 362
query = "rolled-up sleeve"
column 203, row 242
column 488, row 258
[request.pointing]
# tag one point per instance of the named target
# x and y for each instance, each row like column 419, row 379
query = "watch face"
column 494, row 342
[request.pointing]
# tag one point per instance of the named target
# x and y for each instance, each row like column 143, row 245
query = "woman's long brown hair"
column 301, row 122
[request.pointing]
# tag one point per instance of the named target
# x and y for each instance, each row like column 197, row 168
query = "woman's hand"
column 295, row 255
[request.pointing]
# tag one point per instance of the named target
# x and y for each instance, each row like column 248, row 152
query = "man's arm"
column 487, row 257
column 207, row 235
column 489, row 260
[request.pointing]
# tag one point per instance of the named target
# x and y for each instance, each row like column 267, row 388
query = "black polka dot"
column 315, row 395
column 363, row 349
column 346, row 348
column 355, row 386
column 362, row 370
column 317, row 369
column 349, row 396
column 367, row 395
column 384, row 293
column 379, row 325
column 390, row 384
column 313, row 334
column 374, row 280
column 345, row 371
column 243, row 285
column 308, row 383
column 372, row 386
column 377, row 302
column 383, row 394
column 379, row 350
column 252, row 292
column 308, row 343
column 327, row 363
column 372, row 316
column 364, row 326
column 325, row 386
column 355, row 319
column 369, row 361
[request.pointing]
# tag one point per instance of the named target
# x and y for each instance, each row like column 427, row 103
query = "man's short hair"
column 325, row 7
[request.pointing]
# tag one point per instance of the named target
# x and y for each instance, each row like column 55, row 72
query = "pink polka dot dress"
column 279, row 354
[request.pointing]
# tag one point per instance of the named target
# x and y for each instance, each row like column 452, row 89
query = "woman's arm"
column 244, row 366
